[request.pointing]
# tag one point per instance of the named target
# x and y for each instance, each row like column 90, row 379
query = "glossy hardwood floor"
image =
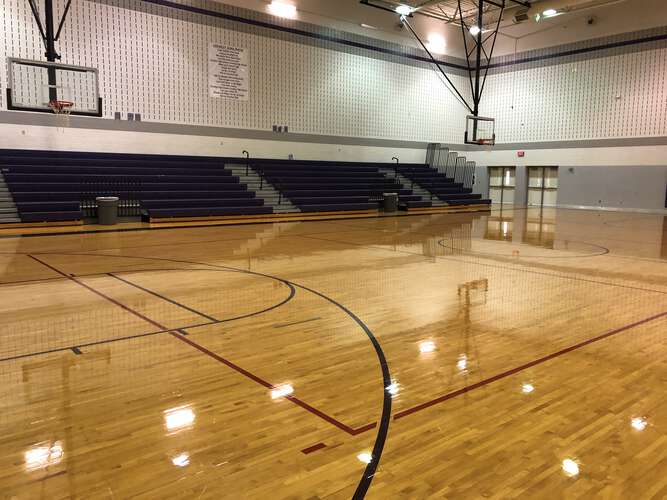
column 521, row 353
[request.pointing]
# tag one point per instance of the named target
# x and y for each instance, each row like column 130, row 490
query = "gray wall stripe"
column 46, row 120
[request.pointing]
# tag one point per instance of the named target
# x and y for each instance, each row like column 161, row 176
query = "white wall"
column 78, row 139
column 617, row 96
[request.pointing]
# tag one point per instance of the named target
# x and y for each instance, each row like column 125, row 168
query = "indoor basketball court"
column 355, row 249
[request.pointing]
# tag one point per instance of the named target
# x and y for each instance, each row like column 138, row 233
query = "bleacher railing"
column 128, row 192
column 451, row 164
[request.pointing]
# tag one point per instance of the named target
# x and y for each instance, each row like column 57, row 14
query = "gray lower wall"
column 613, row 187
column 622, row 187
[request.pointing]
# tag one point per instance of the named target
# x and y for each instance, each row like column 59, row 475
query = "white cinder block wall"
column 606, row 97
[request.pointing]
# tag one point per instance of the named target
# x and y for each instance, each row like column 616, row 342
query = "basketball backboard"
column 480, row 131
column 28, row 87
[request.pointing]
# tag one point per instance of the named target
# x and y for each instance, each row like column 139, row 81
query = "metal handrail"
column 247, row 161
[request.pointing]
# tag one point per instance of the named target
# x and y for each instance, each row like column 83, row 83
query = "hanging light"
column 475, row 30
column 404, row 10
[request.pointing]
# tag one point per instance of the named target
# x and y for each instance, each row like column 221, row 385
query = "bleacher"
column 62, row 186
column 333, row 187
column 441, row 186
column 51, row 186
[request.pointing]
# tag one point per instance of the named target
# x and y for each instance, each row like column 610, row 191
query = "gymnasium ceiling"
column 441, row 17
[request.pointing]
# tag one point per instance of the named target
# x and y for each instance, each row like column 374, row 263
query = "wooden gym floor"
column 520, row 353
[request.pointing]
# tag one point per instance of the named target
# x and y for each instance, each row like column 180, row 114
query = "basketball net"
column 62, row 110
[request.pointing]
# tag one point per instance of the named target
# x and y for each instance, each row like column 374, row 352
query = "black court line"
column 93, row 344
column 178, row 334
column 285, row 325
column 79, row 346
column 166, row 299
column 385, row 419
column 149, row 334
column 454, row 223
column 216, row 268
column 90, row 275
column 28, row 282
column 603, row 251
column 517, row 269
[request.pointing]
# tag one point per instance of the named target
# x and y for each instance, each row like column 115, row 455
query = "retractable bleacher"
column 50, row 186
column 441, row 186
column 326, row 187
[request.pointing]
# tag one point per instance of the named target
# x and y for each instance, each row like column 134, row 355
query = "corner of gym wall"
column 153, row 60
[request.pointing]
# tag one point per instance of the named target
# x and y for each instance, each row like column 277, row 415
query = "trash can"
column 107, row 210
column 390, row 202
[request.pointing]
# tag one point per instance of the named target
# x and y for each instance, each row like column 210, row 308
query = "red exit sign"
column 521, row 154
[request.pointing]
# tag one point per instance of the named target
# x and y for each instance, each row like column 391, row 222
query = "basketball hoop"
column 62, row 109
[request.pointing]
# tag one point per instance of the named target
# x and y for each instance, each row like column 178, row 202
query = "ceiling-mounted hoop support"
column 50, row 37
column 477, row 66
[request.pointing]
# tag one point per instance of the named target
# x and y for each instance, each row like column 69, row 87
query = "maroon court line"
column 521, row 368
column 268, row 385
column 211, row 354
column 313, row 448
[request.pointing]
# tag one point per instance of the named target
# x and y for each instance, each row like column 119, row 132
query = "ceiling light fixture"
column 550, row 13
column 474, row 30
column 404, row 10
column 282, row 9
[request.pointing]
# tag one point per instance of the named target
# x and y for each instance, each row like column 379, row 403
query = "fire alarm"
column 521, row 154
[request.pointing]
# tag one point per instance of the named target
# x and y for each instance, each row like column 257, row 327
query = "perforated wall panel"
column 608, row 97
column 157, row 66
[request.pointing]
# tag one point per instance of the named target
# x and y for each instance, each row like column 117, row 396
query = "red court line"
column 521, row 368
column 211, row 354
column 268, row 385
column 313, row 448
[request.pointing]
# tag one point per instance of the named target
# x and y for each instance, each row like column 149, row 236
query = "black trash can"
column 390, row 203
column 107, row 210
